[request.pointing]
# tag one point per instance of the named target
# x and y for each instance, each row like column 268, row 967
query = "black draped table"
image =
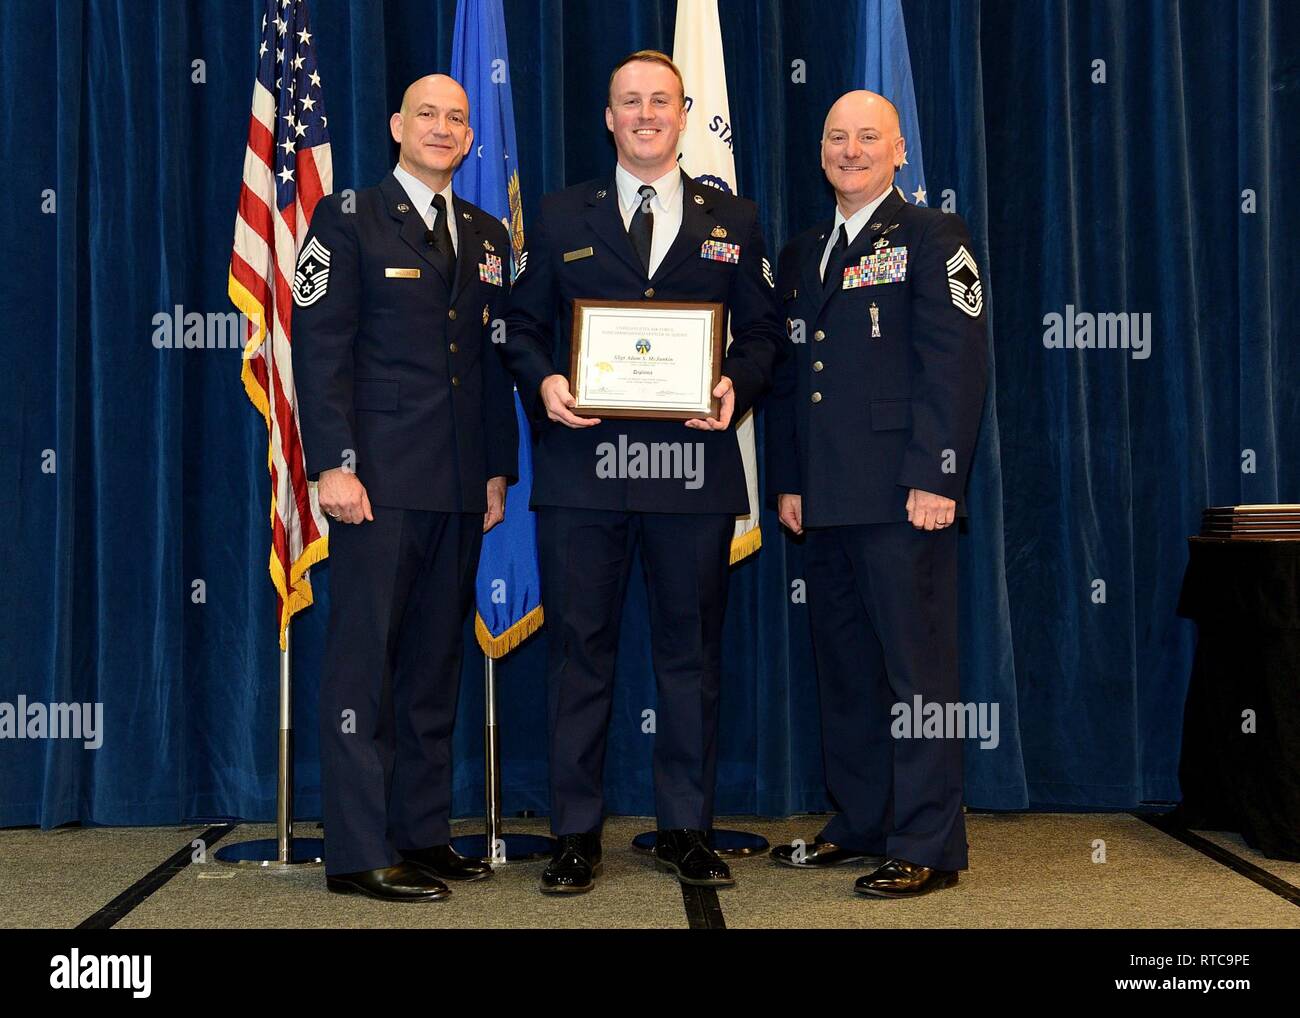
column 1245, row 599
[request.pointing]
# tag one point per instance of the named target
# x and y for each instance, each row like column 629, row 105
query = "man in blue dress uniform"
column 869, row 435
column 408, row 425
column 645, row 232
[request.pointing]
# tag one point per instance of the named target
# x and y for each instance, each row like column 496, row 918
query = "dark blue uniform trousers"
column 401, row 588
column 882, row 599
column 586, row 555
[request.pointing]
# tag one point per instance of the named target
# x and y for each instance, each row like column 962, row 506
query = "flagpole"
column 284, row 775
column 255, row 264
column 492, row 755
column 490, row 178
column 284, row 850
column 496, row 847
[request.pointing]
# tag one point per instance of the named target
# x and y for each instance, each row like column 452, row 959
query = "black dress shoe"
column 403, row 882
column 821, row 854
column 574, row 865
column 687, row 854
column 443, row 861
column 899, row 878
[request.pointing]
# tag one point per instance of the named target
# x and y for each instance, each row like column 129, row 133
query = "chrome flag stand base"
column 284, row 851
column 497, row 848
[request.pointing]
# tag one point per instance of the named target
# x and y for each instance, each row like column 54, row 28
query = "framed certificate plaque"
column 649, row 359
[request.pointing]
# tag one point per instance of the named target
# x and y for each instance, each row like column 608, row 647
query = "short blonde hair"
column 650, row 56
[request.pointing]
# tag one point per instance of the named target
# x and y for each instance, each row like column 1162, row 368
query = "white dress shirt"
column 666, row 207
column 853, row 225
column 421, row 195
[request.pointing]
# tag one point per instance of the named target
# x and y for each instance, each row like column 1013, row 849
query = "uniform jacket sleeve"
column 530, row 321
column 323, row 332
column 500, row 425
column 781, row 460
column 756, row 333
column 950, row 366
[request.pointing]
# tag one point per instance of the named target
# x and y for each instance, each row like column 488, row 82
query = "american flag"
column 287, row 169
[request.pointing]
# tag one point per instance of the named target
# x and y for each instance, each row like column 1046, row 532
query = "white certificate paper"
column 645, row 359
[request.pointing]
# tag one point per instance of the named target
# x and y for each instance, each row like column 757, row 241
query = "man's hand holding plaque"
column 726, row 395
column 559, row 403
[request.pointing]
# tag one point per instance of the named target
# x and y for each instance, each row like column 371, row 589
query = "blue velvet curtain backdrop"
column 1110, row 157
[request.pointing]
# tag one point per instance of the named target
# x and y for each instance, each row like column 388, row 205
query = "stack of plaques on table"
column 1252, row 522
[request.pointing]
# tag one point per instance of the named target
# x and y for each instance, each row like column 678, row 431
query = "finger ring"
column 333, row 516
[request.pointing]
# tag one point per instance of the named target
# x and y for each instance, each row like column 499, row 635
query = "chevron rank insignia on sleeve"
column 964, row 283
column 767, row 273
column 520, row 265
column 311, row 277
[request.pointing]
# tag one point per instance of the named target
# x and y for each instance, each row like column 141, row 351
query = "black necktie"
column 835, row 263
column 442, row 233
column 642, row 226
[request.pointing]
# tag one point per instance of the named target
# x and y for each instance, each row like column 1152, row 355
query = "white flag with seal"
column 706, row 156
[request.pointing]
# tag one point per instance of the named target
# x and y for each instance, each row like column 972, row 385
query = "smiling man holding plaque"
column 614, row 336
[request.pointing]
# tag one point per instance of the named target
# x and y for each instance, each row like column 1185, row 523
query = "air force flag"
column 508, row 591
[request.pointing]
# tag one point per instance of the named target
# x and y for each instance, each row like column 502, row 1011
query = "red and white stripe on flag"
column 287, row 169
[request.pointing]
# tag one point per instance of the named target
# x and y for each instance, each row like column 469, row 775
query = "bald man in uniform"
column 870, row 431
column 408, row 427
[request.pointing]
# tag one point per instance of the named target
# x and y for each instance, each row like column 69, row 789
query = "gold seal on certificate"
column 652, row 359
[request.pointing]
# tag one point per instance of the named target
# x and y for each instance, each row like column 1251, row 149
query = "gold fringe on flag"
column 746, row 544
column 499, row 646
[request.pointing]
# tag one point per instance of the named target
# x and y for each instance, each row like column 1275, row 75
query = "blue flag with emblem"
column 885, row 67
column 508, row 589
